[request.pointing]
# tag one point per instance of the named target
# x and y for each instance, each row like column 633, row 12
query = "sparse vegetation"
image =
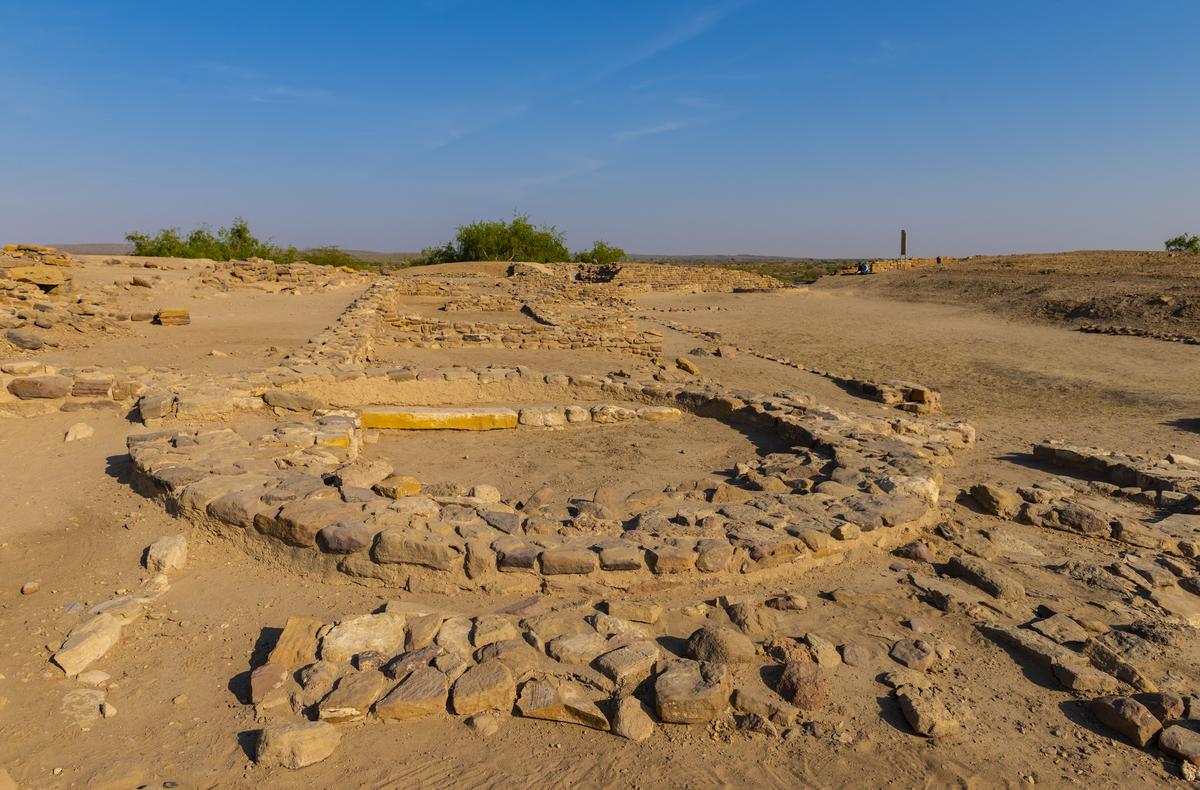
column 234, row 243
column 1184, row 243
column 600, row 253
column 327, row 256
column 515, row 240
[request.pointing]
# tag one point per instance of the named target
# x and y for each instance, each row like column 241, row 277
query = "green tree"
column 1184, row 243
column 233, row 242
column 515, row 240
column 601, row 253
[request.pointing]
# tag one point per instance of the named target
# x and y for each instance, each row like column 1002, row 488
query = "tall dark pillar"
column 903, row 242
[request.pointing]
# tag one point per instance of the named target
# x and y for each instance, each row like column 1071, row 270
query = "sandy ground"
column 576, row 461
column 1017, row 382
column 254, row 330
column 1146, row 291
column 72, row 525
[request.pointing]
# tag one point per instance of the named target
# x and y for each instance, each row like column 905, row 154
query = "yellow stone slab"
column 173, row 317
column 426, row 418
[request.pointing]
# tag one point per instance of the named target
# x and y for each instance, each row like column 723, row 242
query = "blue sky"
column 762, row 126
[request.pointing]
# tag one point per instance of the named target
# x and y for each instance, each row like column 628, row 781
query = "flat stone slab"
column 429, row 418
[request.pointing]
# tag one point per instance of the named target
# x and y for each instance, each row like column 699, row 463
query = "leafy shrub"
column 516, row 240
column 601, row 253
column 1184, row 243
column 233, row 243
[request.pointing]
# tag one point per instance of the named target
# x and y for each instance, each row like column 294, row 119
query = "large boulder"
column 720, row 645
column 296, row 745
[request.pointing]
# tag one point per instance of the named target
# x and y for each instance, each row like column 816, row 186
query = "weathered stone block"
column 411, row 418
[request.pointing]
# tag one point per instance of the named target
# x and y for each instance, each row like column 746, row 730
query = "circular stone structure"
column 307, row 493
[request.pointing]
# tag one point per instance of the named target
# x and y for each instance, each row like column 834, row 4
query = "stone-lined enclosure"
column 849, row 481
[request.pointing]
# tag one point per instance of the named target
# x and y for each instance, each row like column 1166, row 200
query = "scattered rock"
column 824, row 652
column 720, row 645
column 628, row 665
column 925, row 712
column 577, row 648
column 264, row 679
column 996, row 501
column 296, row 745
column 855, row 654
column 486, row 686
column 485, row 724
column 788, row 603
column 683, row 695
column 1061, row 628
column 1164, row 705
column 167, row 554
column 297, row 643
column 1128, row 717
column 353, row 696
column 986, row 577
column 88, row 642
column 381, row 633
column 631, row 720
column 41, row 387
column 423, row 693
column 80, row 430
column 914, row 654
column 556, row 699
column 1182, row 743
column 803, row 684
column 637, row 612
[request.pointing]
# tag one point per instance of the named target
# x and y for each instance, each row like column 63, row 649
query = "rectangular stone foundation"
column 424, row 418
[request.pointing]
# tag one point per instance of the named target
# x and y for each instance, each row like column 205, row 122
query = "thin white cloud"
column 575, row 168
column 451, row 134
column 682, row 33
column 251, row 85
column 647, row 131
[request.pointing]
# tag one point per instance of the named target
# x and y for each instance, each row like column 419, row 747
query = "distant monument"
column 903, row 243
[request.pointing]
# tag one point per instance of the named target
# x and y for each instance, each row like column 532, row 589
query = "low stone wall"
column 412, row 331
column 665, row 277
column 1176, row 478
column 1131, row 331
column 304, row 490
column 298, row 277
